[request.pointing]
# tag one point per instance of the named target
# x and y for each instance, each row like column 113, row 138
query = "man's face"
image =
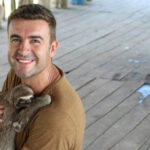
column 29, row 47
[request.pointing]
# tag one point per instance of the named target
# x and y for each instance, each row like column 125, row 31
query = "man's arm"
column 57, row 133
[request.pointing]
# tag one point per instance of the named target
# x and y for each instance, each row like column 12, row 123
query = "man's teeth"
column 25, row 61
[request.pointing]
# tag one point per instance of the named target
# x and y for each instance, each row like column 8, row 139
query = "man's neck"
column 42, row 80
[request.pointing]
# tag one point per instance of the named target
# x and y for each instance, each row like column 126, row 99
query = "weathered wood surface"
column 104, row 51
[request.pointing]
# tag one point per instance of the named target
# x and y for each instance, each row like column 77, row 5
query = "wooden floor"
column 104, row 49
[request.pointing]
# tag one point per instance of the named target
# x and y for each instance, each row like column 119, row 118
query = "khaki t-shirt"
column 58, row 126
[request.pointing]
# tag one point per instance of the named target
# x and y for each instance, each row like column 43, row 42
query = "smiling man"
column 32, row 45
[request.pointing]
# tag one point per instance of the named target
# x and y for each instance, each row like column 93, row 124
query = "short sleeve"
column 51, row 133
column 5, row 85
column 11, row 81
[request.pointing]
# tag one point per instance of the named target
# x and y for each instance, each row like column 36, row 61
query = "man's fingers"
column 1, row 112
column 1, row 107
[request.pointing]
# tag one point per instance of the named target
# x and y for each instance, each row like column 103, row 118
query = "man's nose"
column 24, row 47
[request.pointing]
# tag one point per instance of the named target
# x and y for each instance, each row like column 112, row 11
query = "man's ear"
column 53, row 48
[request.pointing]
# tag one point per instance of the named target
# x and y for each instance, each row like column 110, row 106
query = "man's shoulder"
column 65, row 101
column 61, row 87
column 54, row 127
column 11, row 81
column 53, row 121
column 52, row 115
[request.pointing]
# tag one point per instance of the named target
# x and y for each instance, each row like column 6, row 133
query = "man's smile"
column 24, row 61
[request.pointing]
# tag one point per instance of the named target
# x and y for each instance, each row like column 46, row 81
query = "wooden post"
column 64, row 3
column 61, row 3
column 3, row 7
column 57, row 3
column 45, row 3
column 24, row 2
column 13, row 5
column 1, row 15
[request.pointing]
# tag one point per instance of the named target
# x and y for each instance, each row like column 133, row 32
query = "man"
column 32, row 45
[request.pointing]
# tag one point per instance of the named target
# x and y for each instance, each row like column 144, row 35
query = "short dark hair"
column 34, row 12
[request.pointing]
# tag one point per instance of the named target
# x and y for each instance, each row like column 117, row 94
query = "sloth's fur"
column 20, row 105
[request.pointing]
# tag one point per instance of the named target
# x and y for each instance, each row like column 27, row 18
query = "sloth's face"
column 21, row 96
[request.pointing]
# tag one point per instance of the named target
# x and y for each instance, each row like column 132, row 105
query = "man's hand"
column 1, row 112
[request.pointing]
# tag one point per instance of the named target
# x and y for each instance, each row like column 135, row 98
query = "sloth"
column 20, row 105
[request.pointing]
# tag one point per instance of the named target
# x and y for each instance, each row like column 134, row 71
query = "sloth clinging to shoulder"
column 20, row 105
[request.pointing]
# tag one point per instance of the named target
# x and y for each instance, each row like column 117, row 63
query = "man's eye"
column 15, row 40
column 35, row 41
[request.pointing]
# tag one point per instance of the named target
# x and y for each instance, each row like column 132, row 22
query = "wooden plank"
column 74, row 42
column 115, row 26
column 74, row 65
column 100, row 94
column 122, row 64
column 68, row 14
column 136, row 137
column 112, row 101
column 80, row 82
column 85, row 54
column 146, row 144
column 122, row 127
column 85, row 24
column 94, row 63
column 81, row 59
column 107, row 112
column 103, row 44
column 91, row 87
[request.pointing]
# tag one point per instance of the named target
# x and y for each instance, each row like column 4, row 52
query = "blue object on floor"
column 77, row 2
column 145, row 92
